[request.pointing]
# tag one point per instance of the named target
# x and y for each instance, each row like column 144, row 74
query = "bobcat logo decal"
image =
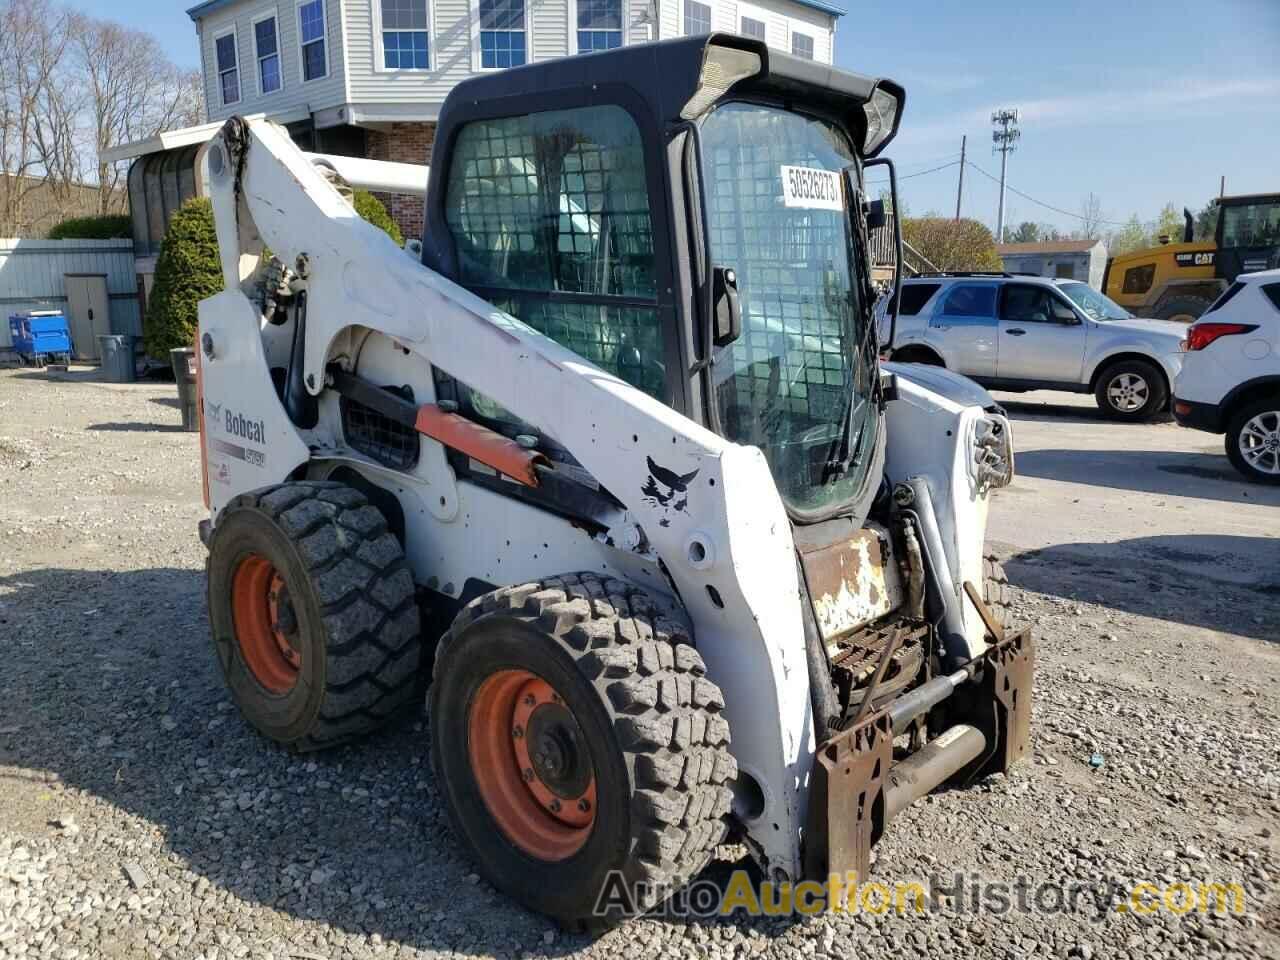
column 667, row 489
column 213, row 411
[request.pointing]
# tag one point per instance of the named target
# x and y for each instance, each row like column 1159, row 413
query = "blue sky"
column 1142, row 103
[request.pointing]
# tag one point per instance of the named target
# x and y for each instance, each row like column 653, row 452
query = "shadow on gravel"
column 1201, row 475
column 1060, row 412
column 138, row 427
column 113, row 688
column 1218, row 582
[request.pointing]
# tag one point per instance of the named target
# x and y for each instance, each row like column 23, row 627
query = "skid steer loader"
column 614, row 464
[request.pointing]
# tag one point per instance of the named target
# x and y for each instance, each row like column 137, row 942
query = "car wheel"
column 1253, row 441
column 1184, row 309
column 1132, row 390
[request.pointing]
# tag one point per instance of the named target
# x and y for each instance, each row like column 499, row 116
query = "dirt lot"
column 140, row 818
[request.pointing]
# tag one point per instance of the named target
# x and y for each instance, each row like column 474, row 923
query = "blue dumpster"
column 40, row 337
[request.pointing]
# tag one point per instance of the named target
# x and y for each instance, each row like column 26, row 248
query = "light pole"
column 1004, row 139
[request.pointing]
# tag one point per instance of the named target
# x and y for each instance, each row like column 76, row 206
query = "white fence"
column 32, row 277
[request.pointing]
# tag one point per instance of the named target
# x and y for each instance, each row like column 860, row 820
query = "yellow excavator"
column 1179, row 281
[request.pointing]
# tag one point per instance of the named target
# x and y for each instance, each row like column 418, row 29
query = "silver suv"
column 1019, row 333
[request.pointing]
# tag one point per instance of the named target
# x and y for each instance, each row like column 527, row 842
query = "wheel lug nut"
column 583, row 805
column 529, row 700
column 555, row 806
column 518, row 732
column 528, row 775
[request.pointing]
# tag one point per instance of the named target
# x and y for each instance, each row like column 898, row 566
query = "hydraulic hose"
column 945, row 599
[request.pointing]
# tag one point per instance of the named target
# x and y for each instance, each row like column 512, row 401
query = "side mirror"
column 876, row 217
column 1064, row 314
column 726, row 310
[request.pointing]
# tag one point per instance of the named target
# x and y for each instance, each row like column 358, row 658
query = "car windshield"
column 798, row 382
column 1094, row 304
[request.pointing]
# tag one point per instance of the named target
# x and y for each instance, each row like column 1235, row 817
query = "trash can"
column 118, row 362
column 184, row 372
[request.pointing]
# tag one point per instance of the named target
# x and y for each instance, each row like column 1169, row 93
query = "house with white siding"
column 368, row 77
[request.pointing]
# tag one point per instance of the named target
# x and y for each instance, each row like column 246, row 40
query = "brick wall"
column 404, row 143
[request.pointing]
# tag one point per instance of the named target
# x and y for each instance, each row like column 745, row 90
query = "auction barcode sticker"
column 811, row 188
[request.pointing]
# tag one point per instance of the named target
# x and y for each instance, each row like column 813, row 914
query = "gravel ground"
column 139, row 817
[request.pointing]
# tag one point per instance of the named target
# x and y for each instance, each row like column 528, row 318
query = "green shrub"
column 115, row 226
column 187, row 271
column 370, row 208
column 952, row 244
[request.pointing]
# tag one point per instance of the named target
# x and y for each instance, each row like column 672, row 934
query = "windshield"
column 1251, row 225
column 798, row 382
column 1093, row 303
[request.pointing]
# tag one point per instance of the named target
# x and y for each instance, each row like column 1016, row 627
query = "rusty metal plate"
column 852, row 582
column 1011, row 671
column 1000, row 704
column 846, row 805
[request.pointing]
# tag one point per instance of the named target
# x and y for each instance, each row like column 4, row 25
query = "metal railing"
column 882, row 253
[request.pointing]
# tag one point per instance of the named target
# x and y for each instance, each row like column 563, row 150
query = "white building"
column 368, row 77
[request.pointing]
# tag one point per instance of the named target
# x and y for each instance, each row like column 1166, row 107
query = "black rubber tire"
column 996, row 593
column 1232, row 440
column 353, row 596
column 1186, row 305
column 1157, row 396
column 658, row 741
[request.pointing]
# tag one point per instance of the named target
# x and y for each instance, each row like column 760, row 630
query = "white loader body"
column 726, row 563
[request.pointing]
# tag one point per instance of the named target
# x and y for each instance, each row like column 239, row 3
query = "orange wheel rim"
column 532, row 765
column 262, row 614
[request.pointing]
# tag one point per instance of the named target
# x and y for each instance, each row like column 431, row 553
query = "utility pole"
column 1005, row 141
column 960, row 185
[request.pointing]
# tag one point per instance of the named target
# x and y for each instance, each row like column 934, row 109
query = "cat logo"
column 1203, row 259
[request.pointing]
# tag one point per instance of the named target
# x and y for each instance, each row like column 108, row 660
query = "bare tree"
column 1091, row 217
column 134, row 92
column 38, row 109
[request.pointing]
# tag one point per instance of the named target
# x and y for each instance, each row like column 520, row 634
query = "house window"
column 267, row 44
column 315, row 60
column 801, row 45
column 697, row 18
column 228, row 67
column 405, row 44
column 502, row 34
column 599, row 25
column 1064, row 271
column 753, row 28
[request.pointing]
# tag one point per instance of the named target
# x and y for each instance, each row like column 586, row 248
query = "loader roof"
column 668, row 74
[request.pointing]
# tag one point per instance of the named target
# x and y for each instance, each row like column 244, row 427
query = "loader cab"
column 1248, row 234
column 690, row 216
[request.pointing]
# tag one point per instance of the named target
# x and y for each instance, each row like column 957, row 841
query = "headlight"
column 993, row 453
column 882, row 120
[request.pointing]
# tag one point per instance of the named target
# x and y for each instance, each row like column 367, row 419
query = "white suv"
column 1230, row 379
column 1019, row 333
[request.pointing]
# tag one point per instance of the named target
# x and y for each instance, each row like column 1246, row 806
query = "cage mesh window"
column 379, row 437
column 550, row 214
column 793, row 291
column 790, row 381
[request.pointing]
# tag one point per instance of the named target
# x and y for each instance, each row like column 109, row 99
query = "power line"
column 1047, row 206
column 953, row 163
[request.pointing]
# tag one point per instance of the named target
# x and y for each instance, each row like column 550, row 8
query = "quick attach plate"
column 846, row 803
column 999, row 704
